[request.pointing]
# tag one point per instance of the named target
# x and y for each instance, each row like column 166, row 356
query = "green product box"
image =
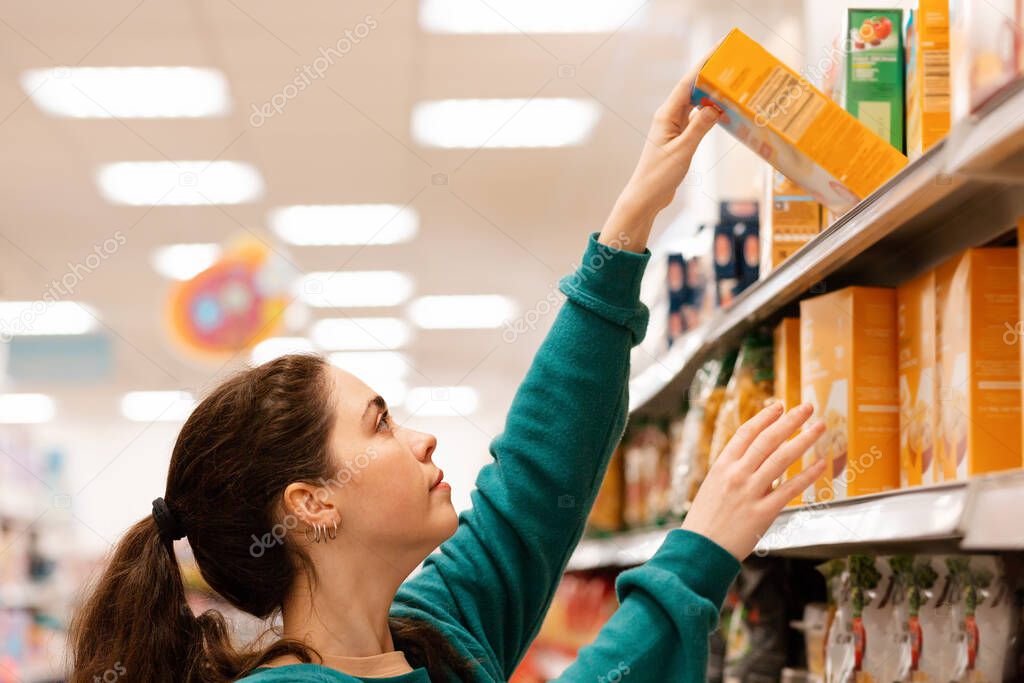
column 874, row 83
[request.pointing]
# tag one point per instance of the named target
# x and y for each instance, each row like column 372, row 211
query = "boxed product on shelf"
column 606, row 515
column 848, row 373
column 749, row 389
column 874, row 90
column 976, row 297
column 726, row 267
column 748, row 253
column 984, row 51
column 918, row 380
column 928, row 86
column 677, row 296
column 788, row 122
column 790, row 218
column 786, row 343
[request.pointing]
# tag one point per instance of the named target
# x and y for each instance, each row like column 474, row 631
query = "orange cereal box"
column 918, row 381
column 976, row 297
column 778, row 114
column 848, row 373
column 787, row 376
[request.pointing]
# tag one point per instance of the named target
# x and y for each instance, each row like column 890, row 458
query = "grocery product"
column 914, row 581
column 984, row 46
column 726, row 267
column 684, row 443
column 875, row 71
column 606, row 515
column 644, row 455
column 722, row 370
column 928, row 91
column 918, row 380
column 979, row 412
column 786, row 349
column 982, row 618
column 677, row 296
column 790, row 218
column 1018, row 326
column 758, row 629
column 797, row 129
column 848, row 374
column 749, row 389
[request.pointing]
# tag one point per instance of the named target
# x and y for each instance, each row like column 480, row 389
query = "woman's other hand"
column 677, row 129
column 736, row 503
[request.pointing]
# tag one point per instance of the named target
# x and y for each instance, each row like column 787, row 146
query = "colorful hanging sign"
column 235, row 303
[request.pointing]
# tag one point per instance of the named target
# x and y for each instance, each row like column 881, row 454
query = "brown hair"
column 259, row 431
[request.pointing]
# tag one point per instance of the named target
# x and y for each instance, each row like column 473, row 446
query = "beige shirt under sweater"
column 376, row 666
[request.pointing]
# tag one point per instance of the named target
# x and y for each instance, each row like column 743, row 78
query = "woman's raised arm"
column 491, row 584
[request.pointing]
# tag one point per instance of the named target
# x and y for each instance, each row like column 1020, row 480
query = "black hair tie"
column 166, row 523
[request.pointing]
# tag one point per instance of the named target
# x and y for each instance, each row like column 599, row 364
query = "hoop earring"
column 333, row 533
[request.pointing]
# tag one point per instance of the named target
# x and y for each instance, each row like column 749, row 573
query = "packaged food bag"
column 749, row 390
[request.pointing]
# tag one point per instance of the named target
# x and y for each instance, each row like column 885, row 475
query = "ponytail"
column 137, row 624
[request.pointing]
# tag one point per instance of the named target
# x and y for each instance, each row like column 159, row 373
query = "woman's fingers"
column 778, row 462
column 772, row 437
column 791, row 488
column 701, row 121
column 677, row 107
column 748, row 431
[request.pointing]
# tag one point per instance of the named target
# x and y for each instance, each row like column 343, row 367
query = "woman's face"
column 386, row 488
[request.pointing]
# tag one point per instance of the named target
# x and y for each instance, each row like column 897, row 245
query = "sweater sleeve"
column 667, row 609
column 494, row 579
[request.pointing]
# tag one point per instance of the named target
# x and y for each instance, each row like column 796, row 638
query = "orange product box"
column 792, row 125
column 790, row 218
column 918, row 381
column 848, row 373
column 928, row 90
column 977, row 305
column 787, row 376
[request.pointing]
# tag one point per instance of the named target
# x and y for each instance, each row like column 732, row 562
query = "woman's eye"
column 384, row 424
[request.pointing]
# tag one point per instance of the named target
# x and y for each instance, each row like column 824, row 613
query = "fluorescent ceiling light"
column 179, row 183
column 528, row 16
column 26, row 408
column 358, row 334
column 275, row 347
column 355, row 288
column 341, row 224
column 157, row 406
column 461, row 312
column 538, row 122
column 184, row 261
column 441, row 401
column 45, row 317
column 128, row 92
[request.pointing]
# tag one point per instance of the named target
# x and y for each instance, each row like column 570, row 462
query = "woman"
column 299, row 495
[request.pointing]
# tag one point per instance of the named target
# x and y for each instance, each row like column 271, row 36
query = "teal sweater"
column 488, row 587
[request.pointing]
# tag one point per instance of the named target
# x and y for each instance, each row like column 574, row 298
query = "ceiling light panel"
column 344, row 224
column 476, row 123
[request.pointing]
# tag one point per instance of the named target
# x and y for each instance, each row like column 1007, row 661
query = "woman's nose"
column 422, row 444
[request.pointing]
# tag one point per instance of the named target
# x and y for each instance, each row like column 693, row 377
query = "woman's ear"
column 308, row 502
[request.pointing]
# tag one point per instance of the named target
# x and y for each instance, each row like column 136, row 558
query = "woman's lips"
column 440, row 483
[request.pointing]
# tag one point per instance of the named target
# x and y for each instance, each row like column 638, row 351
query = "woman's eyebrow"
column 375, row 402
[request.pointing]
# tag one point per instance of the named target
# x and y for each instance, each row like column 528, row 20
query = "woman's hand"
column 736, row 503
column 671, row 141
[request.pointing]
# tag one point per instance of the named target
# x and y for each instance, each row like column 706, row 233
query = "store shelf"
column 978, row 515
column 960, row 194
